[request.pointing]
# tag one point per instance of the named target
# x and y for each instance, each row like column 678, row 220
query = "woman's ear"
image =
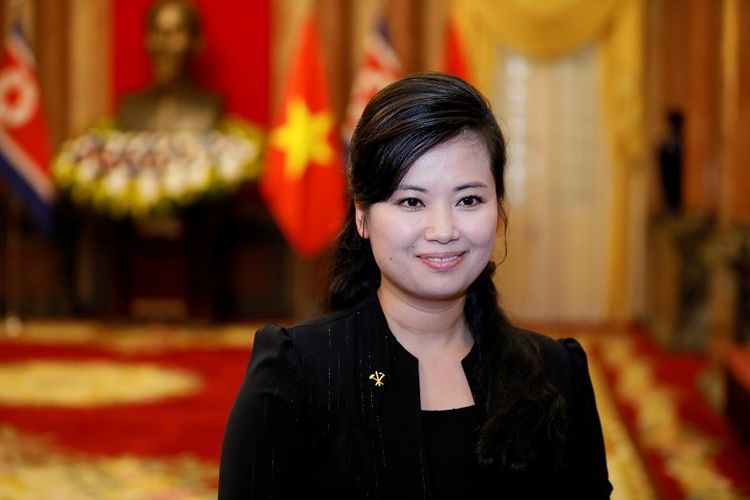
column 359, row 219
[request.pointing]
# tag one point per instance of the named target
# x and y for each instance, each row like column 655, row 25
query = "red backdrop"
column 235, row 60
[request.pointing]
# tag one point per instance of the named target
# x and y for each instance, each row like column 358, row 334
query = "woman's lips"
column 442, row 261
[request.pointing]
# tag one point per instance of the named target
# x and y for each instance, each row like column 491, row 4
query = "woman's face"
column 436, row 233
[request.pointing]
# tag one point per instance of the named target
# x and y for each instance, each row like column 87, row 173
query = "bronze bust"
column 172, row 102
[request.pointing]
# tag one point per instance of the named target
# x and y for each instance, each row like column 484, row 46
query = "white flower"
column 117, row 180
column 161, row 166
column 148, row 187
column 175, row 179
column 199, row 172
column 230, row 165
column 88, row 170
column 116, row 144
column 84, row 146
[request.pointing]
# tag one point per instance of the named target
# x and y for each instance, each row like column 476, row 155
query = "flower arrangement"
column 145, row 173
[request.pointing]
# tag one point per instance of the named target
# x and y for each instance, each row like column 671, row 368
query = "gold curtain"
column 621, row 63
column 545, row 28
column 553, row 28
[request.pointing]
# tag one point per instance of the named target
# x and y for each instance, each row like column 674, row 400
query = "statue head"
column 173, row 37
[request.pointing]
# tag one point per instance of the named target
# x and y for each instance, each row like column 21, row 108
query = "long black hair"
column 524, row 414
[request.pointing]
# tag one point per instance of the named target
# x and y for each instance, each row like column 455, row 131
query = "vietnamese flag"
column 455, row 57
column 303, row 179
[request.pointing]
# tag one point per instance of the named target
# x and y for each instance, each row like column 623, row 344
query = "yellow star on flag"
column 304, row 138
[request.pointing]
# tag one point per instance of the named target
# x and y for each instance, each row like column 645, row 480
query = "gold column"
column 404, row 18
column 702, row 117
column 52, row 61
column 90, row 75
column 735, row 204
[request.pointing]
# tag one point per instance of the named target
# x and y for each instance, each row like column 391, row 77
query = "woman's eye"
column 470, row 201
column 410, row 202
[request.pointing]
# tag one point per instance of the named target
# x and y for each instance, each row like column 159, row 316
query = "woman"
column 417, row 386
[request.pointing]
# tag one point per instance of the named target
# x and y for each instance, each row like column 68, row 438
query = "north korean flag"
column 24, row 140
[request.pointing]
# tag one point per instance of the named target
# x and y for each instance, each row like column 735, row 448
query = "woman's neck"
column 427, row 328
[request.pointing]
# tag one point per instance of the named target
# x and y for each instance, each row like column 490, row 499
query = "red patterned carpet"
column 95, row 411
column 688, row 447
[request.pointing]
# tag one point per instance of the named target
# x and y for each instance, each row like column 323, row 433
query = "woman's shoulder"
column 560, row 347
column 275, row 337
column 564, row 359
column 310, row 334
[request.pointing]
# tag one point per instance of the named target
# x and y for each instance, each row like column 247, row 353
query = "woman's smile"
column 442, row 261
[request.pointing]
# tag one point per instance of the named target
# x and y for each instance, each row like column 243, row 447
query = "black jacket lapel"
column 389, row 377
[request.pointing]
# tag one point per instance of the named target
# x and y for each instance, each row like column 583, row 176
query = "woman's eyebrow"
column 470, row 185
column 410, row 187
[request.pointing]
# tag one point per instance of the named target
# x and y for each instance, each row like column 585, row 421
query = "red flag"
column 455, row 56
column 303, row 179
column 24, row 142
column 380, row 66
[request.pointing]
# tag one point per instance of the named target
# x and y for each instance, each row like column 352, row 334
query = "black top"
column 449, row 437
column 331, row 409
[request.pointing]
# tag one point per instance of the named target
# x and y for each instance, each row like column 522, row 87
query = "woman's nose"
column 441, row 225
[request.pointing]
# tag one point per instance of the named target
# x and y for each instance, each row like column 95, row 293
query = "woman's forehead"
column 460, row 156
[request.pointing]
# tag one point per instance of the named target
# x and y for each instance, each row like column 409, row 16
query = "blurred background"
column 172, row 177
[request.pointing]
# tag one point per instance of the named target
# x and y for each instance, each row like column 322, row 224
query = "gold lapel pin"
column 378, row 378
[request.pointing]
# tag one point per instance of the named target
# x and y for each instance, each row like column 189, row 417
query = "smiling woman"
column 416, row 386
column 436, row 232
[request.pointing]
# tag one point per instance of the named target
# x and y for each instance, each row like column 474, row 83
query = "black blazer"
column 310, row 421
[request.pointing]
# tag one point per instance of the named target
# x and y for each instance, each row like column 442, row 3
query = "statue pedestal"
column 174, row 268
column 680, row 281
column 158, row 278
column 218, row 260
